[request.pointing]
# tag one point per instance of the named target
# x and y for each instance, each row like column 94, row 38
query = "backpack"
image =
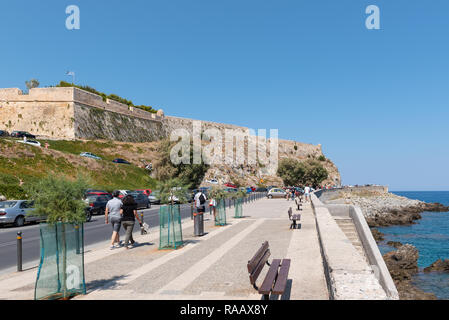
column 202, row 199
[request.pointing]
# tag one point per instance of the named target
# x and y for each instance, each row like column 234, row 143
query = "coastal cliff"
column 381, row 209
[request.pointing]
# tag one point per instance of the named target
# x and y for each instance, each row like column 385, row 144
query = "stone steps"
column 348, row 228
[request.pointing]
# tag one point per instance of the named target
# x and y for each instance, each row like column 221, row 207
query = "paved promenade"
column 208, row 267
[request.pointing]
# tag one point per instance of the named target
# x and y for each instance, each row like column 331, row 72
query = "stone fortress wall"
column 70, row 113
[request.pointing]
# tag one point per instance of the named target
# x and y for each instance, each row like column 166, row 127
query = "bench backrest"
column 257, row 262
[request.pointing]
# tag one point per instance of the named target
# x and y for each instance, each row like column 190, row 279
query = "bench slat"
column 256, row 272
column 281, row 281
column 254, row 262
column 267, row 284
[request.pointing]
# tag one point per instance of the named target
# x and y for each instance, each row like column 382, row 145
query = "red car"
column 230, row 185
column 146, row 192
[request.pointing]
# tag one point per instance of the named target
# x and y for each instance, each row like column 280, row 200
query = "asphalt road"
column 94, row 232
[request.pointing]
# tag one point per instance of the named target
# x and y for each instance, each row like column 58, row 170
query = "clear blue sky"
column 377, row 100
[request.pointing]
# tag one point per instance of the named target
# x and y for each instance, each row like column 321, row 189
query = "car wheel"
column 270, row 196
column 88, row 216
column 20, row 221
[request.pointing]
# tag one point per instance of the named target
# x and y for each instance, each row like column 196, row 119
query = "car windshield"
column 7, row 204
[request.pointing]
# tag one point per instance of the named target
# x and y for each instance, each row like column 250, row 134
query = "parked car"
column 31, row 143
column 146, row 192
column 97, row 204
column 93, row 192
column 261, row 190
column 212, row 181
column 17, row 212
column 21, row 134
column 89, row 155
column 154, row 197
column 141, row 199
column 276, row 193
column 4, row 133
column 118, row 160
column 123, row 193
column 230, row 185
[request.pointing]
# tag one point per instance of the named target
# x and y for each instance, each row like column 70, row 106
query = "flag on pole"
column 71, row 73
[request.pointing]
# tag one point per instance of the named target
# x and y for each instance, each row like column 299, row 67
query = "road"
column 94, row 232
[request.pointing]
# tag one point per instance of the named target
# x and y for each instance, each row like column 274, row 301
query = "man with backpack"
column 200, row 204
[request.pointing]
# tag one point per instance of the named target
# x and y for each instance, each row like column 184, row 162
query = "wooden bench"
column 293, row 218
column 275, row 280
column 298, row 201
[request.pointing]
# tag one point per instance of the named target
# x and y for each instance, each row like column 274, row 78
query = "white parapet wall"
column 348, row 274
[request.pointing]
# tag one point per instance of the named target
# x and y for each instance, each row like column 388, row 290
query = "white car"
column 30, row 142
column 90, row 155
column 212, row 181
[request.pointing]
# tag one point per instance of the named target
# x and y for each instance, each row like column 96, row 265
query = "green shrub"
column 11, row 191
column 322, row 158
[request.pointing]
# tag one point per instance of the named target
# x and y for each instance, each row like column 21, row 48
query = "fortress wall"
column 54, row 119
column 95, row 123
column 37, row 94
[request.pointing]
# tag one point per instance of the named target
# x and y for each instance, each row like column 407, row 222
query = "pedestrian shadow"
column 143, row 244
column 103, row 284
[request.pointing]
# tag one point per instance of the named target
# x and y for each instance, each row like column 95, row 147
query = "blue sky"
column 377, row 100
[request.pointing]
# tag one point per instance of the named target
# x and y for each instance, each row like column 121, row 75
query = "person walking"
column 200, row 201
column 287, row 194
column 129, row 216
column 293, row 194
column 113, row 208
column 213, row 205
column 307, row 193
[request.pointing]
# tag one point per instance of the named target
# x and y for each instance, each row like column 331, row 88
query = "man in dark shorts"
column 113, row 210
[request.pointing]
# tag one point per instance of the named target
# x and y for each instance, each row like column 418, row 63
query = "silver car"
column 17, row 212
column 276, row 193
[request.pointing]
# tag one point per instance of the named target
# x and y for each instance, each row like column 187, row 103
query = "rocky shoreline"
column 386, row 209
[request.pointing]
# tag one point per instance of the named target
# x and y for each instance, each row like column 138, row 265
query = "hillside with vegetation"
column 22, row 164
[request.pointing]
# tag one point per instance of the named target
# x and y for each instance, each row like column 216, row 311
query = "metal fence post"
column 77, row 239
column 19, row 251
column 141, row 220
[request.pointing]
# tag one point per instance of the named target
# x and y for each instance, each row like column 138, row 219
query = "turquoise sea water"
column 430, row 236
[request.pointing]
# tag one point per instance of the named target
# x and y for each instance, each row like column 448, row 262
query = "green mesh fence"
column 170, row 227
column 220, row 217
column 61, row 268
column 238, row 211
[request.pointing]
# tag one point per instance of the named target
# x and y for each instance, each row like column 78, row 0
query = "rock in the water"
column 394, row 244
column 439, row 266
column 402, row 263
column 377, row 235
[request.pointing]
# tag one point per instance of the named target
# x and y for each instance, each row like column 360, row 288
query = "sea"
column 430, row 235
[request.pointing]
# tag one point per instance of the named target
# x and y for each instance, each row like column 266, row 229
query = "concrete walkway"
column 208, row 267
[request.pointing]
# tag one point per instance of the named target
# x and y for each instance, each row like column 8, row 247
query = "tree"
column 59, row 200
column 294, row 172
column 189, row 175
column 170, row 189
column 33, row 83
column 291, row 171
column 315, row 173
